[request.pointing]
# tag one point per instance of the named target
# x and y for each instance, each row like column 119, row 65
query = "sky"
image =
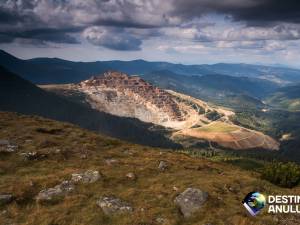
column 179, row 31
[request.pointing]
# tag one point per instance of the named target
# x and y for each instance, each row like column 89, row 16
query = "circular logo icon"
column 254, row 202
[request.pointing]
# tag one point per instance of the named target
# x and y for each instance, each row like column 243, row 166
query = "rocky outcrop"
column 112, row 205
column 7, row 146
column 163, row 165
column 89, row 176
column 190, row 201
column 67, row 186
column 136, row 86
column 130, row 96
column 55, row 193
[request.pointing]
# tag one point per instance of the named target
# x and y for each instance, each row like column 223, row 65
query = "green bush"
column 282, row 174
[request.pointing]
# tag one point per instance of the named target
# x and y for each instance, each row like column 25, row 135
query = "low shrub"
column 282, row 174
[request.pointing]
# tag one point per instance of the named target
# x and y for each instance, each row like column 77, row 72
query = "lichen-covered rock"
column 112, row 205
column 190, row 201
column 163, row 165
column 90, row 176
column 5, row 198
column 6, row 146
column 56, row 192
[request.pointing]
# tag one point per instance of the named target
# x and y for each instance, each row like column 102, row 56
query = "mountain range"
column 69, row 94
column 55, row 70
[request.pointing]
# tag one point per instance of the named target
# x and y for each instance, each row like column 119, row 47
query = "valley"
column 184, row 117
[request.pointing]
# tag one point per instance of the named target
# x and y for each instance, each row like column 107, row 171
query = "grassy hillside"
column 282, row 124
column 287, row 98
column 63, row 149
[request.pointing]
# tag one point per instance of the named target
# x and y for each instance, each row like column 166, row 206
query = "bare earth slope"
column 130, row 96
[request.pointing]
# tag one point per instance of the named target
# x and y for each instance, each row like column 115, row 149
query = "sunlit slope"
column 49, row 152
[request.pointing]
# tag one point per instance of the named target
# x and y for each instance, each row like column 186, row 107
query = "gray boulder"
column 90, row 176
column 163, row 165
column 56, row 192
column 6, row 146
column 111, row 205
column 190, row 201
column 5, row 199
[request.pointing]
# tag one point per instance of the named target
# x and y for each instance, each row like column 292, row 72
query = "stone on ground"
column 163, row 165
column 6, row 146
column 112, row 205
column 131, row 176
column 90, row 176
column 190, row 201
column 58, row 191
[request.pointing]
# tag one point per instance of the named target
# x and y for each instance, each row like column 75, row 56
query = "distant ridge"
column 59, row 71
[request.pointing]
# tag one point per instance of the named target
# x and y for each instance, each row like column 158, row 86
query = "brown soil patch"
column 238, row 139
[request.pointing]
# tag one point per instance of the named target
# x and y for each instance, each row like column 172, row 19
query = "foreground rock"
column 110, row 162
column 55, row 193
column 29, row 156
column 131, row 176
column 89, row 176
column 6, row 146
column 190, row 201
column 163, row 165
column 5, row 199
column 111, row 205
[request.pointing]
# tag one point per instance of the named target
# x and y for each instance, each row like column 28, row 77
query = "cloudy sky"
column 181, row 31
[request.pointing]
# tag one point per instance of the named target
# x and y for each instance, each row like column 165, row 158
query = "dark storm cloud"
column 8, row 17
column 6, row 39
column 51, row 20
column 123, row 24
column 42, row 34
column 112, row 38
column 271, row 11
column 253, row 12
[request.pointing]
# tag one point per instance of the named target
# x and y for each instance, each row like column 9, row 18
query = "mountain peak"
column 118, row 90
column 117, row 79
